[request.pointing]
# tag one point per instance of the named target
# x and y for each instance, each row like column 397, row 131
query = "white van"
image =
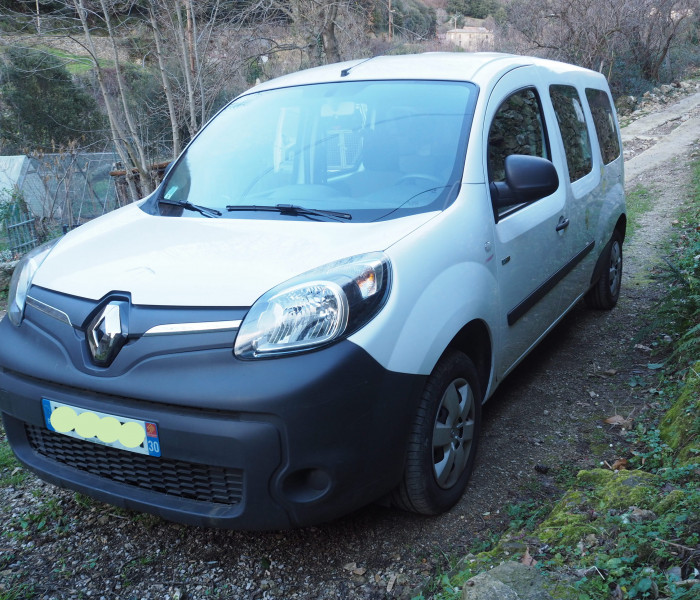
column 308, row 313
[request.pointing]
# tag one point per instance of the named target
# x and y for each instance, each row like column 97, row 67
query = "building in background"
column 471, row 39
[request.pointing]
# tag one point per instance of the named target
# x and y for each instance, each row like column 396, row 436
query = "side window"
column 574, row 133
column 517, row 128
column 604, row 121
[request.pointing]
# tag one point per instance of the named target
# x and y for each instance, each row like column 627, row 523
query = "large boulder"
column 625, row 104
column 6, row 269
column 508, row 581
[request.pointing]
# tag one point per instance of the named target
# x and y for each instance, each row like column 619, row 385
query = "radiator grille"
column 192, row 481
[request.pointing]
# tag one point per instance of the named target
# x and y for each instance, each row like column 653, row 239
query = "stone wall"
column 630, row 108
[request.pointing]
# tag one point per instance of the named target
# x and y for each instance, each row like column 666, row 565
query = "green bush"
column 45, row 107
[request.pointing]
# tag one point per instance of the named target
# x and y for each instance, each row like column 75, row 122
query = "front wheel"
column 605, row 292
column 443, row 441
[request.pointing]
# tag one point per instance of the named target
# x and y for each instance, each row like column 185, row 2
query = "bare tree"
column 314, row 25
column 197, row 53
column 600, row 34
column 165, row 79
column 128, row 147
column 652, row 27
column 197, row 57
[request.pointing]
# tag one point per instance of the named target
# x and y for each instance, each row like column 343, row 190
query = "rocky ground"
column 544, row 424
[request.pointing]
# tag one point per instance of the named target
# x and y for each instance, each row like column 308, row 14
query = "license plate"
column 124, row 433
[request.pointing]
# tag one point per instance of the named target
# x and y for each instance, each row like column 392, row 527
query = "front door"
column 531, row 244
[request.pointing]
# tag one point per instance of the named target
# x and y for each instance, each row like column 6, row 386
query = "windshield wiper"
column 187, row 205
column 291, row 209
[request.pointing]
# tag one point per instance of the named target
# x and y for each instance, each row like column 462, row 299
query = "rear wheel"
column 443, row 440
column 606, row 291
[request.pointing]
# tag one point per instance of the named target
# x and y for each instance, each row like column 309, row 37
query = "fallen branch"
column 676, row 545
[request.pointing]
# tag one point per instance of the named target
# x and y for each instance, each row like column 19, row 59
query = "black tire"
column 605, row 292
column 443, row 440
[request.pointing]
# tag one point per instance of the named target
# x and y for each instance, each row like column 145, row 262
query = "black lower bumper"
column 260, row 445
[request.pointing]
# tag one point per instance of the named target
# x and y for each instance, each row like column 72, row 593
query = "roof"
column 470, row 30
column 478, row 67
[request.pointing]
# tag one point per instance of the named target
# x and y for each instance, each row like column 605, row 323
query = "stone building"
column 471, row 39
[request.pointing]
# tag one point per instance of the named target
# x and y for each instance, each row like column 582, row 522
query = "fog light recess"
column 306, row 485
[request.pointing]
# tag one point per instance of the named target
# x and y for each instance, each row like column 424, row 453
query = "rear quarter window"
column 574, row 132
column 604, row 121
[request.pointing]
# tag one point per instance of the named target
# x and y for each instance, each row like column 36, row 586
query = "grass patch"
column 18, row 592
column 9, row 476
column 639, row 201
column 44, row 517
column 76, row 64
column 679, row 314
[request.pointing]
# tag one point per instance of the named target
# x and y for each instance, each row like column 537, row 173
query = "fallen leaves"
column 527, row 559
column 381, row 578
column 354, row 569
column 624, row 422
column 619, row 465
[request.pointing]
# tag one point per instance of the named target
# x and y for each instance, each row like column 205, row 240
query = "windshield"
column 369, row 149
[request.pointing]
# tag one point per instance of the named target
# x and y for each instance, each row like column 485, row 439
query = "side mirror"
column 528, row 178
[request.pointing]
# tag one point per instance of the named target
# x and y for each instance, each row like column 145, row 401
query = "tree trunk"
column 330, row 43
column 167, row 87
column 119, row 138
column 185, row 56
column 142, row 163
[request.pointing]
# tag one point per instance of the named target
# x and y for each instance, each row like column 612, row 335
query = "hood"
column 186, row 261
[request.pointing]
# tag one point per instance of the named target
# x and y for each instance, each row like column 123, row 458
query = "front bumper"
column 248, row 445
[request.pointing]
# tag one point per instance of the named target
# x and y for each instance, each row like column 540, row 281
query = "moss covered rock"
column 578, row 514
column 620, row 489
column 680, row 427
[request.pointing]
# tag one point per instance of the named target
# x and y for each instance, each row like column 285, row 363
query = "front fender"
column 443, row 278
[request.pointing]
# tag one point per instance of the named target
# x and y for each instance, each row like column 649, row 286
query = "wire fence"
column 21, row 233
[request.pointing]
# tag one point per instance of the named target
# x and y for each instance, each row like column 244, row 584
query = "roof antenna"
column 345, row 72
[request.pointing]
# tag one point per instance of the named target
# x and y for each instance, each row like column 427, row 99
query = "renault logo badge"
column 107, row 332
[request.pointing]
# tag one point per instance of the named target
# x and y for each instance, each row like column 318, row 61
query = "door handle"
column 563, row 224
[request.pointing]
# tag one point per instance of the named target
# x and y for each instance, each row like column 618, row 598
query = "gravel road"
column 547, row 414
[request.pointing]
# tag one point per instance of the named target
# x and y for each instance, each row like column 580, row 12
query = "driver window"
column 517, row 128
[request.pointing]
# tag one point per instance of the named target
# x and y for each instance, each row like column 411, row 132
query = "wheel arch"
column 621, row 228
column 474, row 340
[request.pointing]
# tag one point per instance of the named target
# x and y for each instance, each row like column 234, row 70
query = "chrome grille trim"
column 49, row 310
column 205, row 327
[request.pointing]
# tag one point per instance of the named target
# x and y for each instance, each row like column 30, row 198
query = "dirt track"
column 548, row 413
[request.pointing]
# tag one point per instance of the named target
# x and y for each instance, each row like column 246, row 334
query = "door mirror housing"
column 528, row 178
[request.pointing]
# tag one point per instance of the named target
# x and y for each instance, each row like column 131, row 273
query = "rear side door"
column 531, row 244
column 571, row 134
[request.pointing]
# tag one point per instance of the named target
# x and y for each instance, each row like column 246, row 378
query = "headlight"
column 22, row 280
column 315, row 308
